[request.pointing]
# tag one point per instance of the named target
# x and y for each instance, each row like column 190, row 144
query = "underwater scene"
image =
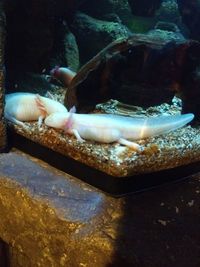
column 113, row 84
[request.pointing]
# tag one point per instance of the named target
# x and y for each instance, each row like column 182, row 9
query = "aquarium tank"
column 112, row 85
column 99, row 103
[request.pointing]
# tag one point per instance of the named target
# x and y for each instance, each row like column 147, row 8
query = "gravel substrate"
column 174, row 149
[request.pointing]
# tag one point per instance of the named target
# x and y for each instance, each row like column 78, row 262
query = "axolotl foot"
column 77, row 135
column 130, row 144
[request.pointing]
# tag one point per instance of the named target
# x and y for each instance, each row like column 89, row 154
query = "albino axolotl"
column 21, row 107
column 107, row 128
column 65, row 75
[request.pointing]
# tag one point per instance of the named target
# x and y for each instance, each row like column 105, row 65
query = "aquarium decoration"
column 68, row 62
column 142, row 70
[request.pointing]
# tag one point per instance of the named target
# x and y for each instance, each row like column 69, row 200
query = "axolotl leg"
column 77, row 135
column 130, row 144
column 42, row 109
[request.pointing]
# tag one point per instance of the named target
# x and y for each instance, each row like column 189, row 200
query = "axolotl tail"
column 164, row 124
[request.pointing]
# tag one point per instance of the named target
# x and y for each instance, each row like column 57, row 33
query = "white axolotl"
column 20, row 107
column 65, row 75
column 107, row 128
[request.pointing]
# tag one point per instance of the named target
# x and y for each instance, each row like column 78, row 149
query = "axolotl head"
column 58, row 120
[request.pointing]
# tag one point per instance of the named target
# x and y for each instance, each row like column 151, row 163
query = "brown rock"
column 51, row 219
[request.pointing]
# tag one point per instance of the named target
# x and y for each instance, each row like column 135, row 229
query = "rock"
column 92, row 34
column 66, row 51
column 52, row 219
column 169, row 12
column 141, row 71
column 103, row 8
column 51, row 216
column 166, row 31
column 138, row 70
column 71, row 51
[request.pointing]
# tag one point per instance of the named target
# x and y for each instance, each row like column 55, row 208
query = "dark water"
column 44, row 34
column 41, row 34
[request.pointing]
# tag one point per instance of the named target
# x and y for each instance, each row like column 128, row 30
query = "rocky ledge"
column 52, row 219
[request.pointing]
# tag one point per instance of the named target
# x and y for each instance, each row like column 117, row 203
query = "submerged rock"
column 135, row 70
column 66, row 51
column 93, row 34
column 166, row 31
column 140, row 71
column 169, row 11
column 104, row 8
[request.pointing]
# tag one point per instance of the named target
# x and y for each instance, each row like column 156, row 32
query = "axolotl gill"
column 103, row 128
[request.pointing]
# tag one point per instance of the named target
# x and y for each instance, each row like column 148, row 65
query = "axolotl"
column 107, row 128
column 21, row 106
column 65, row 75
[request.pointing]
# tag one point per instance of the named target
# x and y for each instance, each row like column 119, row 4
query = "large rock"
column 143, row 70
column 102, row 9
column 66, row 51
column 92, row 34
column 52, row 219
